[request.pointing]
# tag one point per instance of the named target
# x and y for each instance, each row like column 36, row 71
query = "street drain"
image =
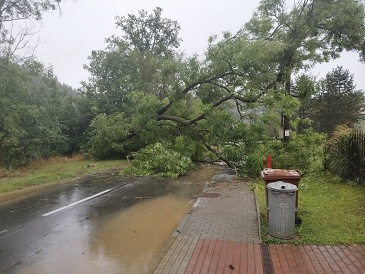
column 266, row 259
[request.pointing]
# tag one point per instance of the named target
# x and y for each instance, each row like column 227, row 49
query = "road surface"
column 100, row 224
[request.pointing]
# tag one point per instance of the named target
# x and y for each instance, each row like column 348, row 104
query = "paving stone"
column 221, row 235
column 225, row 217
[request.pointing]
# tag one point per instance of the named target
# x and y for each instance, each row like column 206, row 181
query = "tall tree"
column 31, row 107
column 338, row 101
column 138, row 60
column 29, row 124
column 149, row 33
column 311, row 31
column 188, row 96
column 249, row 71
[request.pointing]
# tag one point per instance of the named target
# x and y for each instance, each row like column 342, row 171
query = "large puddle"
column 135, row 238
column 130, row 241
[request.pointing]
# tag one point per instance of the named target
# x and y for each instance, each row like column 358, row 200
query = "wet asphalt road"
column 28, row 233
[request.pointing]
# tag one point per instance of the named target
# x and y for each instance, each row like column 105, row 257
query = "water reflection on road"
column 129, row 240
column 136, row 236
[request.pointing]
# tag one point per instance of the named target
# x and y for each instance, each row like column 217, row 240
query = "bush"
column 345, row 154
column 304, row 152
column 255, row 161
column 106, row 134
column 157, row 159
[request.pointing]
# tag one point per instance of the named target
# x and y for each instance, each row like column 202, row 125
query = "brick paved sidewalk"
column 226, row 211
column 221, row 235
column 221, row 230
column 318, row 259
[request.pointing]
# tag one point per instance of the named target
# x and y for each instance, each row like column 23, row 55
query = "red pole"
column 268, row 161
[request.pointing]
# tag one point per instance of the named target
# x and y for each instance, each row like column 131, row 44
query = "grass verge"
column 52, row 171
column 332, row 211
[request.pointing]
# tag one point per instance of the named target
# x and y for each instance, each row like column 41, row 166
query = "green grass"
column 53, row 171
column 332, row 211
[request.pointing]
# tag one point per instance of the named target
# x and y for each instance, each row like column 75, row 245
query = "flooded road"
column 125, row 230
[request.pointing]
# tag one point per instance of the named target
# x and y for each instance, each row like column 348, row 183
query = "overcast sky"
column 84, row 25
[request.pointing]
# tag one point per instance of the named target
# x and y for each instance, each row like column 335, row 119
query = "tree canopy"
column 25, row 9
column 146, row 99
column 37, row 114
column 311, row 30
column 228, row 101
column 149, row 33
column 14, row 38
column 33, row 114
column 337, row 103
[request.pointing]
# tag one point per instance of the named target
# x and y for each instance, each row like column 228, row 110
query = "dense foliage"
column 158, row 159
column 337, row 102
column 305, row 152
column 232, row 101
column 38, row 115
column 34, row 114
column 147, row 101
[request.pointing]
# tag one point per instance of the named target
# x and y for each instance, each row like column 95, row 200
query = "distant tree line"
column 331, row 101
column 38, row 115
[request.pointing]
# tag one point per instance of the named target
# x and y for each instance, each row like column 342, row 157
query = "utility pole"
column 285, row 118
column 286, row 129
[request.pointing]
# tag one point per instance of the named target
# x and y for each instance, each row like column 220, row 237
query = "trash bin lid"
column 281, row 186
column 280, row 174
